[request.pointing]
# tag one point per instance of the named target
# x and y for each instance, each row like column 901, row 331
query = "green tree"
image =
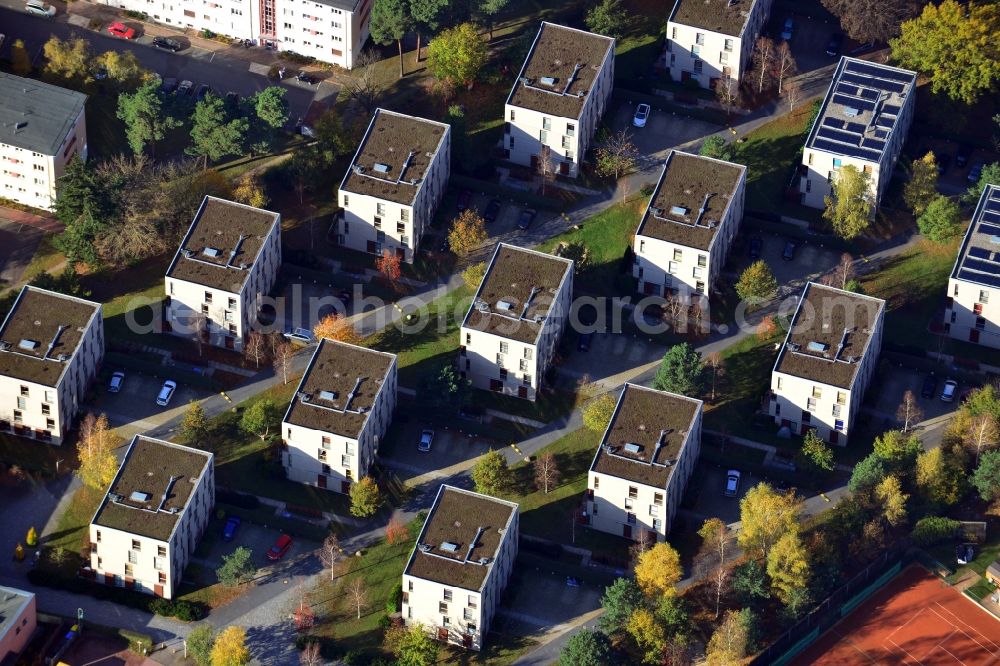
column 390, row 21
column 194, row 427
column 620, row 598
column 849, row 208
column 680, row 371
column 271, row 113
column 608, row 18
column 717, row 147
column 934, row 529
column 490, row 9
column 986, row 477
column 412, row 646
column 213, row 134
column 586, row 648
column 867, row 474
column 365, row 498
column 897, row 450
column 491, row 474
column 20, row 61
column 142, row 113
column 259, row 417
column 939, row 478
column 816, row 452
column 457, row 54
column 445, row 387
column 788, row 567
column 79, row 192
column 750, row 582
column 989, row 176
column 78, row 238
column 597, row 413
column 921, row 189
column 672, row 612
column 757, row 284
column 658, row 570
column 199, row 644
column 237, row 567
column 427, row 16
column 941, row 220
column 766, row 516
column 954, row 43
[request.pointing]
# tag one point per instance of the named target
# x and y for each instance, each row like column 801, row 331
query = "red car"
column 279, row 548
column 121, row 30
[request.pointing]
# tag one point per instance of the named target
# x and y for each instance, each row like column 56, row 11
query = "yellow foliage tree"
column 230, row 648
column 474, row 274
column 96, row 452
column 938, row 478
column 788, row 567
column 728, row 645
column 19, row 59
column 123, row 67
column 597, row 413
column 649, row 635
column 250, row 191
column 658, row 570
column 766, row 515
column 890, row 492
column 32, row 537
column 69, row 60
column 468, row 232
column 336, row 327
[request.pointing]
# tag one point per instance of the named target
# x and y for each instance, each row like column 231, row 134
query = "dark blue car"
column 229, row 531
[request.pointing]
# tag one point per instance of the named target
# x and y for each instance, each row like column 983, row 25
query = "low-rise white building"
column 559, row 99
column 227, row 262
column 689, row 225
column 643, row 464
column 43, row 127
column 332, row 31
column 708, row 40
column 152, row 517
column 18, row 620
column 338, row 415
column 395, row 182
column 972, row 312
column 51, row 347
column 460, row 566
column 519, row 314
column 827, row 362
column 863, row 122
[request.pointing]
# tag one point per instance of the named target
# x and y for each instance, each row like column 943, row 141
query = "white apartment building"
column 559, row 98
column 18, row 620
column 689, row 225
column 519, row 314
column 643, row 464
column 51, row 347
column 153, row 516
column 972, row 312
column 827, row 362
column 41, row 128
column 712, row 39
column 863, row 123
column 332, row 31
column 227, row 262
column 395, row 182
column 339, row 414
column 460, row 566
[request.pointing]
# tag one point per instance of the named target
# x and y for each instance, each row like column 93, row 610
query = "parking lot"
column 664, row 130
column 894, row 380
column 610, row 354
column 706, row 494
column 809, row 260
column 536, row 579
column 258, row 538
column 135, row 405
column 449, row 447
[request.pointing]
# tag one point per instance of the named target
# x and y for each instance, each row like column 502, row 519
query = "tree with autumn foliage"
column 230, row 648
column 395, row 531
column 335, row 326
column 658, row 570
column 467, row 232
column 388, row 265
column 304, row 616
column 96, row 452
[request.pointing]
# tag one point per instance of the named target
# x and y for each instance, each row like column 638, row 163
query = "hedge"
column 932, row 529
column 182, row 610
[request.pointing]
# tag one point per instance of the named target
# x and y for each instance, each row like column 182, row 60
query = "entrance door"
column 534, row 161
column 321, row 480
column 345, row 487
column 627, row 531
column 442, row 633
column 833, row 436
column 522, row 392
column 401, row 254
column 467, row 642
column 230, row 342
column 372, row 247
column 564, row 168
column 974, row 335
column 496, row 385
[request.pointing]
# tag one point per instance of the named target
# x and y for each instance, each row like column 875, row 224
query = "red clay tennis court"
column 914, row 619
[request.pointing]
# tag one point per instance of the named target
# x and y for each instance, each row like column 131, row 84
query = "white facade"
column 440, row 593
column 972, row 312
column 41, row 391
column 204, row 292
column 328, row 448
column 332, row 32
column 374, row 223
column 18, row 620
column 514, row 361
column 867, row 134
column 803, row 401
column 661, row 266
column 698, row 53
column 152, row 557
column 541, row 125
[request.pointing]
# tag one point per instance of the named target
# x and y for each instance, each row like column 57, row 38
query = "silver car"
column 39, row 8
column 426, row 438
column 117, row 379
column 166, row 393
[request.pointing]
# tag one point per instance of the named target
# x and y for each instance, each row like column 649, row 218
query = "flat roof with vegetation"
column 37, row 116
column 461, row 538
column 727, row 17
column 339, row 388
column 687, row 184
column 829, row 335
column 222, row 245
column 517, row 291
column 560, row 70
column 646, row 434
column 979, row 258
column 151, row 491
column 41, row 334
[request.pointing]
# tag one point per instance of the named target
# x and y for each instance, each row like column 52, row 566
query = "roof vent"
column 482, row 306
column 484, row 560
column 678, row 210
column 139, row 496
column 851, row 112
column 381, row 168
column 211, row 252
column 817, row 346
column 328, row 395
column 505, row 306
column 548, row 80
column 27, row 345
column 4, row 345
column 424, row 548
column 632, row 448
column 449, row 547
column 62, row 357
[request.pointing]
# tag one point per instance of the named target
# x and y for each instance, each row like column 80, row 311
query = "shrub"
column 384, row 622
column 394, row 603
column 932, row 529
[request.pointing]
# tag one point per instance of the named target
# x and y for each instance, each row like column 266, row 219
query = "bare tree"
column 283, row 359
column 867, row 21
column 716, row 541
column 358, row 593
column 793, row 94
column 643, row 542
column 763, row 58
column 909, row 411
column 546, row 166
column 784, row 64
column 673, row 309
column 546, row 472
column 842, row 272
column 199, row 327
column 714, row 361
column 616, row 155
column 365, row 88
column 983, row 433
column 254, row 348
column 727, row 91
column 310, row 655
column 330, row 553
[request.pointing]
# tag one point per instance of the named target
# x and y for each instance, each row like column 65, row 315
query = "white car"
column 117, row 379
column 303, row 335
column 166, row 393
column 39, row 8
column 732, row 483
column 641, row 114
column 948, row 392
column 426, row 437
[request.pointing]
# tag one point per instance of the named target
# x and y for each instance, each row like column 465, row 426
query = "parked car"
column 964, row 553
column 974, row 173
column 101, row 73
column 229, row 529
column 834, row 45
column 464, row 199
column 117, row 379
column 166, row 393
column 961, row 157
column 641, row 114
column 732, row 483
column 426, row 439
column 307, row 79
column 167, row 44
column 943, row 162
column 526, row 218
column 185, row 87
column 39, row 8
column 789, row 252
column 949, row 390
column 929, row 387
column 119, row 29
column 279, row 548
column 583, row 344
column 203, row 91
column 786, row 30
column 492, row 211
column 303, row 335
column 168, row 86
column 756, row 245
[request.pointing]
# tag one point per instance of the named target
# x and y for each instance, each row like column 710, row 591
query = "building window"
column 50, row 424
column 698, row 65
column 46, row 409
column 642, row 246
column 678, row 255
column 838, row 425
column 378, row 222
column 673, row 33
column 467, row 615
column 161, row 551
column 658, row 499
column 654, row 510
column 837, row 162
column 699, row 38
column 695, row 52
column 524, row 365
column 836, row 410
column 208, row 297
column 345, row 461
column 162, row 577
column 98, row 536
column 841, row 398
column 984, row 296
column 817, row 392
column 570, row 129
column 633, row 492
column 672, row 267
column 404, row 215
column 629, row 504
column 630, row 518
column 321, row 454
column 512, row 114
column 324, row 442
column 526, row 380
column 129, row 571
column 472, row 602
column 503, row 347
column 349, row 449
column 543, row 136
column 528, row 353
column 448, row 596
column 806, row 417
column 546, row 123
column 133, row 557
column 204, row 308
column 811, row 404
column 136, row 545
column 728, row 46
column 22, row 403
column 380, row 209
column 981, row 323
column 597, row 484
column 702, row 261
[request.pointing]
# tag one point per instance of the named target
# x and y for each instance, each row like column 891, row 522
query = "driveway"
column 893, row 381
column 664, row 130
column 610, row 354
column 135, row 406
column 705, row 493
column 536, row 580
column 450, row 447
column 258, row 538
column 810, row 260
column 18, row 243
